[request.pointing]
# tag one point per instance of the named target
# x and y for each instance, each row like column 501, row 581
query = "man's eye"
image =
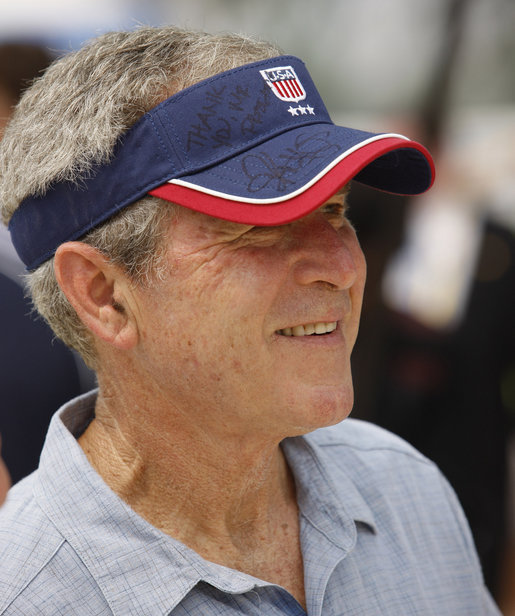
column 336, row 214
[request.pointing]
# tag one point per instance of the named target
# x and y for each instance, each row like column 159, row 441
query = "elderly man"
column 179, row 199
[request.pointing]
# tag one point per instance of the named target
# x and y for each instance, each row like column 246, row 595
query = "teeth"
column 309, row 329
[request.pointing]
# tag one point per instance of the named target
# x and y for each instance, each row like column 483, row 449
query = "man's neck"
column 232, row 500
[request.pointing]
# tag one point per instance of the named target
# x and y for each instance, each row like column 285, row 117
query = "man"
column 180, row 201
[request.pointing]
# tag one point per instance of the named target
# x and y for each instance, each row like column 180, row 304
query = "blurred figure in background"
column 435, row 361
column 445, row 389
column 29, row 354
column 20, row 63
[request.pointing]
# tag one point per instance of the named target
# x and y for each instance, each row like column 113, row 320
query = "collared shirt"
column 381, row 534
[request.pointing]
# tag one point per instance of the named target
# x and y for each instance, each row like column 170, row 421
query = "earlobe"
column 95, row 288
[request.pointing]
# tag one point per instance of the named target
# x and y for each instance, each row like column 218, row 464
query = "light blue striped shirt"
column 381, row 534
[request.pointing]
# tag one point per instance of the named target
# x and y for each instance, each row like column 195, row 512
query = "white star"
column 294, row 111
column 310, row 110
column 302, row 110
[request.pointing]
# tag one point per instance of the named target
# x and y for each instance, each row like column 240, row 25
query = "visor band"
column 205, row 135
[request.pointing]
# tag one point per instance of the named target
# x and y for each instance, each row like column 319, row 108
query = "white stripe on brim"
column 314, row 180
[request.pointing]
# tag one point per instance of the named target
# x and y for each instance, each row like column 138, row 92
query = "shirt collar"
column 134, row 563
column 327, row 497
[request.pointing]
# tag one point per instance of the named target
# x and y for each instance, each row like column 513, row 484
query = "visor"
column 253, row 145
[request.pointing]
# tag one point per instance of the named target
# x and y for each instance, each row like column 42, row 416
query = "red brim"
column 287, row 209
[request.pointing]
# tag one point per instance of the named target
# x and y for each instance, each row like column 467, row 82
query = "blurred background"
column 435, row 361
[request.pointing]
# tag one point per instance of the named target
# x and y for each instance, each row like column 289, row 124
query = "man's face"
column 228, row 337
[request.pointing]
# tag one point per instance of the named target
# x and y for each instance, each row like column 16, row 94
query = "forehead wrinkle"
column 219, row 229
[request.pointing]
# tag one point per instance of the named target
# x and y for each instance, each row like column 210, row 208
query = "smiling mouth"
column 311, row 329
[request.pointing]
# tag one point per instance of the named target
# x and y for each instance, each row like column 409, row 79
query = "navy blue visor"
column 253, row 145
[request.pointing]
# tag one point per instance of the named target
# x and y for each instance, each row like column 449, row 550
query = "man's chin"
column 327, row 407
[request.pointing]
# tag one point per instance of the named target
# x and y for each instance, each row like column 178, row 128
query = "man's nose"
column 326, row 254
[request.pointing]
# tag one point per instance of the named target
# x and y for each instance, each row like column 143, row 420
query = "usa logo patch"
column 284, row 83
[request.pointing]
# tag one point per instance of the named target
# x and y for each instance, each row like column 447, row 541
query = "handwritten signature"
column 227, row 116
column 279, row 174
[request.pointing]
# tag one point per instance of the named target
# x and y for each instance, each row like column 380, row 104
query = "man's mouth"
column 310, row 329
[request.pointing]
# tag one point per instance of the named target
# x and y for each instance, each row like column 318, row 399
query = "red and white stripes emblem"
column 284, row 83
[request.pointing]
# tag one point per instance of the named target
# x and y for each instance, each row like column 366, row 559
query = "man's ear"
column 98, row 291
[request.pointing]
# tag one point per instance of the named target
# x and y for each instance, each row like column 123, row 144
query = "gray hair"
column 71, row 119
